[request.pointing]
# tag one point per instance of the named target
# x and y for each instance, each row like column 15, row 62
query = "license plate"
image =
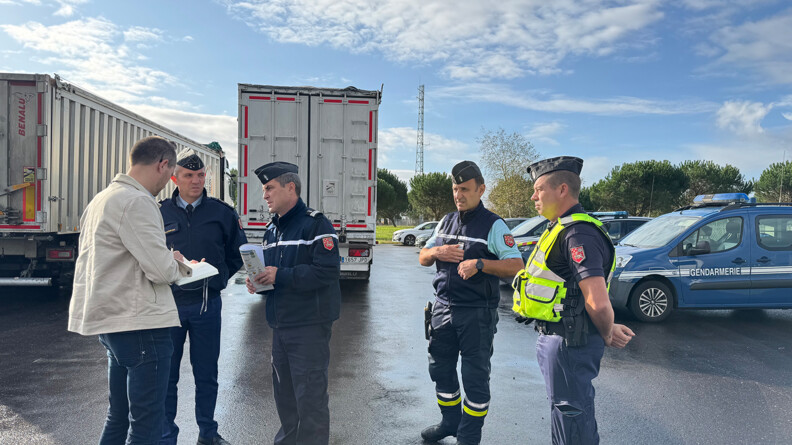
column 354, row 259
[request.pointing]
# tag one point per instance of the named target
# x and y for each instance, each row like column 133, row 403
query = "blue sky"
column 611, row 81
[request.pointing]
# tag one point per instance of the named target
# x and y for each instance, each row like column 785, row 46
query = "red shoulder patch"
column 578, row 254
column 327, row 242
column 509, row 240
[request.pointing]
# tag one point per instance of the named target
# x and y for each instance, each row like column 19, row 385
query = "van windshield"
column 527, row 226
column 659, row 231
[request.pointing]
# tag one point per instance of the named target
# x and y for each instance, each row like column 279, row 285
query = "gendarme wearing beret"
column 545, row 166
column 268, row 172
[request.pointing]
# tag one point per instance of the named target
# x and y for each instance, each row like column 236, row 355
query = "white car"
column 407, row 236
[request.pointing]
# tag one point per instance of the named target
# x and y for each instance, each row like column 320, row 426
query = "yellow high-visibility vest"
column 538, row 291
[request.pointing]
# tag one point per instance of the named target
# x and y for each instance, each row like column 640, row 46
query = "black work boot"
column 436, row 433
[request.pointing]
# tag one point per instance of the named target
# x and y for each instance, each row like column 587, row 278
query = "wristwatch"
column 479, row 265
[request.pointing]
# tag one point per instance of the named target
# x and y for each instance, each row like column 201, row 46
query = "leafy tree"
column 641, row 188
column 775, row 183
column 385, row 197
column 431, row 194
column 505, row 155
column 232, row 184
column 511, row 197
column 708, row 177
column 399, row 203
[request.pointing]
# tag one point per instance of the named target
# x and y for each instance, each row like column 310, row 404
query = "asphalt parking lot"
column 704, row 377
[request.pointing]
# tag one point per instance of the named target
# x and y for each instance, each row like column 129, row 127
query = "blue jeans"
column 138, row 363
column 204, row 331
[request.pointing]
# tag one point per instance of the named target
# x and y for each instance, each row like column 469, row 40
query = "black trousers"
column 466, row 332
column 300, row 358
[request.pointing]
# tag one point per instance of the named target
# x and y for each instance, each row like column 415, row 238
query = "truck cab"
column 723, row 251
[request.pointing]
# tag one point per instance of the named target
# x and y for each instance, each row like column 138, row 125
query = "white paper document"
column 253, row 258
column 195, row 271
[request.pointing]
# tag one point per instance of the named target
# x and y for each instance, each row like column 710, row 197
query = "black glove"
column 521, row 319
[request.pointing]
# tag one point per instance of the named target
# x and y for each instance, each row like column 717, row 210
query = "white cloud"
column 542, row 133
column 90, row 52
column 470, row 38
column 557, row 103
column 762, row 46
column 743, row 117
column 67, row 7
column 141, row 34
column 203, row 128
column 787, row 116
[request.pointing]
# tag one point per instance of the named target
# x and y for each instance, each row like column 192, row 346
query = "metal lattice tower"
column 419, row 149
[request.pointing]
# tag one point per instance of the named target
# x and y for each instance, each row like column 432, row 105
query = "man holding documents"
column 302, row 263
column 201, row 227
column 121, row 292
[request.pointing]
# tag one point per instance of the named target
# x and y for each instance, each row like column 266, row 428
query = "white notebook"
column 195, row 271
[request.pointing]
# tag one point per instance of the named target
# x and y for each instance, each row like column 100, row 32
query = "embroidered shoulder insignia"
column 327, row 242
column 509, row 240
column 577, row 254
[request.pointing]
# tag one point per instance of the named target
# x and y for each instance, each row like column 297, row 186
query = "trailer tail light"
column 60, row 254
column 359, row 252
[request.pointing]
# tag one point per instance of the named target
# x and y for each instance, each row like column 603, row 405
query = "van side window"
column 774, row 232
column 538, row 230
column 717, row 236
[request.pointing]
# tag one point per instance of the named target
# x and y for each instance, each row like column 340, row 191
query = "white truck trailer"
column 331, row 135
column 59, row 146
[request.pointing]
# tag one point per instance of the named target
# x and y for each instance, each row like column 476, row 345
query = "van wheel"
column 651, row 301
column 409, row 240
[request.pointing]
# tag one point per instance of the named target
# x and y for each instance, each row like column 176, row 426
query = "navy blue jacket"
column 304, row 248
column 471, row 229
column 213, row 232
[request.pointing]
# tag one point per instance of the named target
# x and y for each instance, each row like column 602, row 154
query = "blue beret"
column 268, row 172
column 545, row 166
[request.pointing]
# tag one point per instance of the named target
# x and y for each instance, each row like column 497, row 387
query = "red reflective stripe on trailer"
column 20, row 227
column 244, row 195
column 288, row 99
column 359, row 102
column 336, row 225
column 371, row 115
column 38, row 152
column 333, row 101
column 246, row 159
column 246, row 122
column 259, row 97
column 369, row 201
column 371, row 151
column 257, row 224
column 357, row 226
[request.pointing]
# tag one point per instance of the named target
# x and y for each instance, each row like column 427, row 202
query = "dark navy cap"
column 545, row 166
column 188, row 159
column 268, row 172
column 464, row 171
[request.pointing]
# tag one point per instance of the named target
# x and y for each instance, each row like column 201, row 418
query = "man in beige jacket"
column 121, row 292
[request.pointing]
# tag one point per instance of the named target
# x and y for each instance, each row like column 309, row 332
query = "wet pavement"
column 704, row 377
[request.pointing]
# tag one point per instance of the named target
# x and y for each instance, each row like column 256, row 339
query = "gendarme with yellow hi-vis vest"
column 539, row 293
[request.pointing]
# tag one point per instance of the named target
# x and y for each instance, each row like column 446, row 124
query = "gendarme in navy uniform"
column 470, row 248
column 564, row 287
column 303, row 264
column 201, row 227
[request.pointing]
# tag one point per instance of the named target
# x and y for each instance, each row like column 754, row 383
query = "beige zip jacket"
column 123, row 271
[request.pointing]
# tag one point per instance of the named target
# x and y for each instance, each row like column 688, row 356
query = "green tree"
column 511, row 197
column 399, row 203
column 708, row 177
column 641, row 188
column 232, row 184
column 385, row 197
column 431, row 194
column 775, row 183
column 505, row 155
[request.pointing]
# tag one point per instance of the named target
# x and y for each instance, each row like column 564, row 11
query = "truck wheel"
column 409, row 240
column 651, row 301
